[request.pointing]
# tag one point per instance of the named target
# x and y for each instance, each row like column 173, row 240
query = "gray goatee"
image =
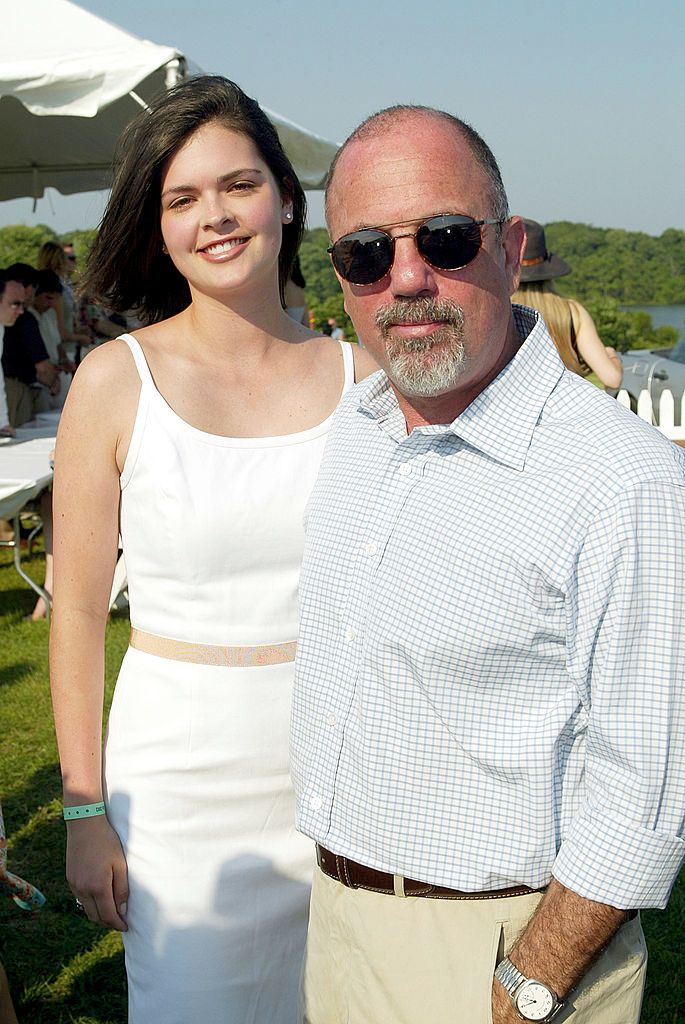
column 423, row 367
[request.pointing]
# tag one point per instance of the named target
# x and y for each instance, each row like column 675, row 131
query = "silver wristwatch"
column 532, row 999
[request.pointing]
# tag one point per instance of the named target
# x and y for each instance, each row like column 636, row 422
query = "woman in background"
column 198, row 437
column 295, row 299
column 570, row 325
column 51, row 256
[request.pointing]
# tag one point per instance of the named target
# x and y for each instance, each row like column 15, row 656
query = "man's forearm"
column 563, row 938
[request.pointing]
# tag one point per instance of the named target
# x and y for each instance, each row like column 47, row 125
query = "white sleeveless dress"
column 196, row 758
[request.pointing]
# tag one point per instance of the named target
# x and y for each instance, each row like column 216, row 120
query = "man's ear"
column 513, row 243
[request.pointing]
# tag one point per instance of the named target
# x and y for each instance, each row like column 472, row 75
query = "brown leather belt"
column 356, row 876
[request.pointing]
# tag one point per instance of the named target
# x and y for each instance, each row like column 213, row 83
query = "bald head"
column 400, row 119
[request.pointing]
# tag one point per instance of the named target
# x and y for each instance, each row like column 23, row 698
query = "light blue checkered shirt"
column 491, row 661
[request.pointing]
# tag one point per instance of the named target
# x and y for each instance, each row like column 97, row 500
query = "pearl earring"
column 288, row 215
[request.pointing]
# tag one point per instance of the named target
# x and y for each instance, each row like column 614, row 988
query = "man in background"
column 12, row 296
column 25, row 361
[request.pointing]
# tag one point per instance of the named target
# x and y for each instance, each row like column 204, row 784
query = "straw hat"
column 537, row 263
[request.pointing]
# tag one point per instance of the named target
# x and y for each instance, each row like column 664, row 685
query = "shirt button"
column 405, row 469
column 331, row 718
column 371, row 548
column 316, row 803
column 350, row 634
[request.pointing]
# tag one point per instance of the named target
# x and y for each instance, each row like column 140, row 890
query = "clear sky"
column 580, row 100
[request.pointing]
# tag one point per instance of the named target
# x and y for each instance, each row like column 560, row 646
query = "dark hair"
column 48, row 281
column 127, row 269
column 383, row 119
column 22, row 273
column 296, row 275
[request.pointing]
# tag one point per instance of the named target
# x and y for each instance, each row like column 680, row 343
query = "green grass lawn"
column 63, row 969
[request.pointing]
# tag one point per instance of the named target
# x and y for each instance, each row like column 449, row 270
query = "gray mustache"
column 415, row 311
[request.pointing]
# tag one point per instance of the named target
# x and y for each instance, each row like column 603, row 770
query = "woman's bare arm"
column 93, row 432
column 603, row 360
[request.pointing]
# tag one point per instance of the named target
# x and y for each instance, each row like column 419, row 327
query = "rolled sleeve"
column 624, row 846
column 609, row 861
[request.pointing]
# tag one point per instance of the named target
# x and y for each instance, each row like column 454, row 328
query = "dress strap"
column 348, row 363
column 140, row 360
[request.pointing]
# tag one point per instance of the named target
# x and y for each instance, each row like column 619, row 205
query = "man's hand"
column 47, row 373
column 563, row 938
column 503, row 1011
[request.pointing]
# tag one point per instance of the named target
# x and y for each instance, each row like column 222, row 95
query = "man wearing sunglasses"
column 487, row 739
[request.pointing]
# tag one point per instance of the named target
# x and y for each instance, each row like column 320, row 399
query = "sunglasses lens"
column 363, row 257
column 449, row 243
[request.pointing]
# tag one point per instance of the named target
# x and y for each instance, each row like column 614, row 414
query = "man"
column 43, row 307
column 336, row 331
column 488, row 713
column 12, row 297
column 30, row 377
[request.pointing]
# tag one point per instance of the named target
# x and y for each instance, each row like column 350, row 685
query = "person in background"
column 7, row 1011
column 12, row 300
column 295, row 300
column 337, row 333
column 30, row 376
column 28, row 898
column 43, row 306
column 571, row 326
column 51, row 256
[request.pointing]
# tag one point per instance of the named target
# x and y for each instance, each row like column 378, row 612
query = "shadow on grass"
column 16, row 673
column 98, row 994
column 18, row 600
column 44, row 785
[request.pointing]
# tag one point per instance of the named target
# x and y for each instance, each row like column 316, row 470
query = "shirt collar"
column 500, row 421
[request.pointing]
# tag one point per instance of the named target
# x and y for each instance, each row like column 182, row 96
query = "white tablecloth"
column 25, row 463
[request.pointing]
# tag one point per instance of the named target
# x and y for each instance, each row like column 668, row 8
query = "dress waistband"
column 212, row 654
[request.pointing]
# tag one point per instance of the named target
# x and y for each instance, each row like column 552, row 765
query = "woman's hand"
column 96, row 871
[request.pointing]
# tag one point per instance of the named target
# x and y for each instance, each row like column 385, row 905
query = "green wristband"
column 83, row 811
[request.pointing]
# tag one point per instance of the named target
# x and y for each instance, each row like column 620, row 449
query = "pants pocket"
column 496, row 954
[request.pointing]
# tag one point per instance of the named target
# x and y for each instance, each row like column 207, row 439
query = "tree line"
column 611, row 268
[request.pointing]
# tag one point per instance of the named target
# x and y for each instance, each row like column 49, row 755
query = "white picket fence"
column 665, row 416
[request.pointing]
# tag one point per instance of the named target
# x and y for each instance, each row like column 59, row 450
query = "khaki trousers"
column 19, row 401
column 381, row 959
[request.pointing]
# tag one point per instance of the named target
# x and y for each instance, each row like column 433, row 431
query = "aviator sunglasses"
column 449, row 241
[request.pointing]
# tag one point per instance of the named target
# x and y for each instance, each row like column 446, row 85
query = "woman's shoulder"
column 331, row 349
column 107, row 374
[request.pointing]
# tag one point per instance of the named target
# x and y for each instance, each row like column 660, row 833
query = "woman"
column 51, row 257
column 570, row 325
column 200, row 439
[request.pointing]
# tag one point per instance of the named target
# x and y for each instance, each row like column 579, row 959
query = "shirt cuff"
column 617, row 862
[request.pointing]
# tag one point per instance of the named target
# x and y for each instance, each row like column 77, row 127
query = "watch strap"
column 509, row 976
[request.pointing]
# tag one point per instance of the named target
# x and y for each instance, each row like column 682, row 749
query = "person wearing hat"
column 571, row 326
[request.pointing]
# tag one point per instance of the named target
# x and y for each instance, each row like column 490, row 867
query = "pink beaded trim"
column 212, row 654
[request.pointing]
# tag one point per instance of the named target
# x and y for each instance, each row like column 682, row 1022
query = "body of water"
column 673, row 316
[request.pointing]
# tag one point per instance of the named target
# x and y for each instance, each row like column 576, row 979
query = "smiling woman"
column 199, row 439
column 218, row 230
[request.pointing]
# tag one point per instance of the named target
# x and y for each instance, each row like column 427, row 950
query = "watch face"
column 534, row 1001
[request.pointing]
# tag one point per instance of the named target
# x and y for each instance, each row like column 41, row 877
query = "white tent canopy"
column 63, row 106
